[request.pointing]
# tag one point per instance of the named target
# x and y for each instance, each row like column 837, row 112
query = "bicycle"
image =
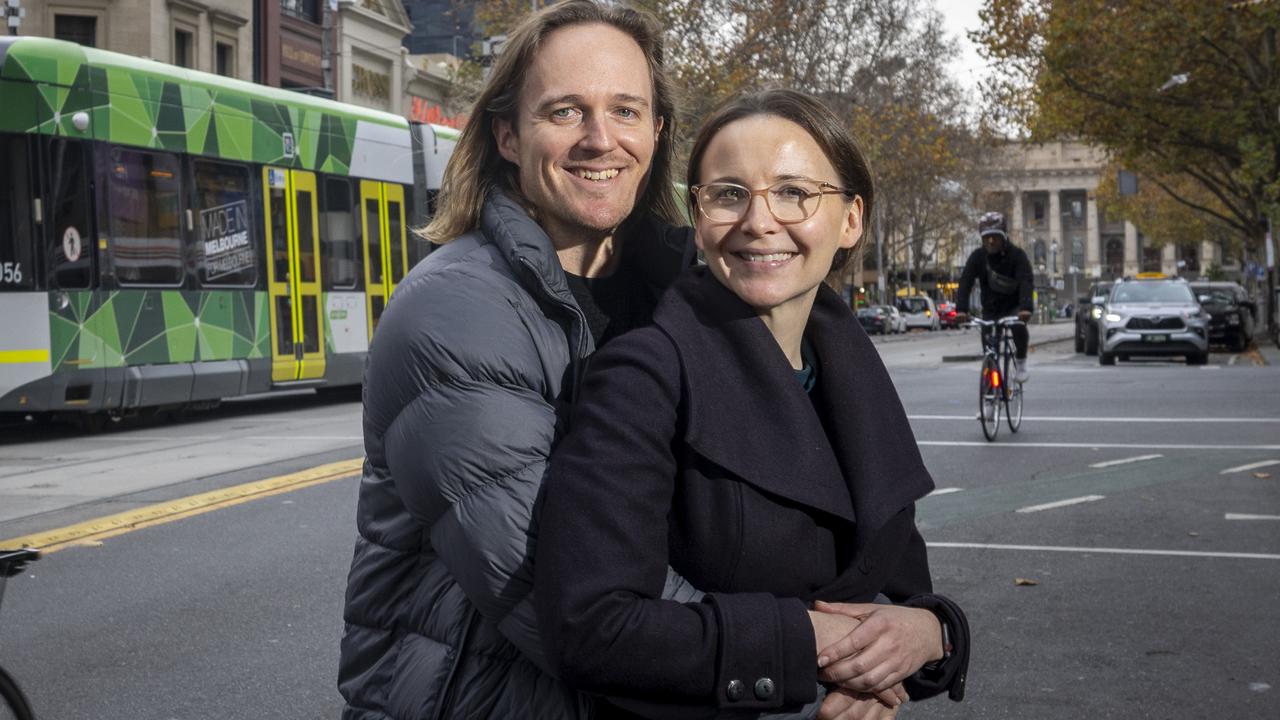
column 13, row 562
column 996, row 387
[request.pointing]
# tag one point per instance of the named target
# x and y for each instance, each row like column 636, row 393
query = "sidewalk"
column 1060, row 330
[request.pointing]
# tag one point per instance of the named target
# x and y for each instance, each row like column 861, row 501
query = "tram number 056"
column 11, row 272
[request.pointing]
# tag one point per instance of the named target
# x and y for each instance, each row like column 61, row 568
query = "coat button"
column 735, row 690
column 764, row 689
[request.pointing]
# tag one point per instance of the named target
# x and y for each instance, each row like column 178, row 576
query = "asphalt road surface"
column 1119, row 557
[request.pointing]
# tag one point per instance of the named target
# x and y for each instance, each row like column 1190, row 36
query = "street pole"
column 880, row 253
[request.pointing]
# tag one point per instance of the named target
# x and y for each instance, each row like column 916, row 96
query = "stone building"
column 210, row 35
column 1048, row 192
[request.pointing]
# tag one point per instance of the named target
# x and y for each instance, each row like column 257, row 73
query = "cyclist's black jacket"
column 1010, row 269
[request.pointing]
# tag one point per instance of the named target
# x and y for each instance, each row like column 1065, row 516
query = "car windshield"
column 914, row 305
column 868, row 312
column 1217, row 295
column 1152, row 292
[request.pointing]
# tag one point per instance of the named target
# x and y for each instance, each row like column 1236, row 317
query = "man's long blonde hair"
column 476, row 167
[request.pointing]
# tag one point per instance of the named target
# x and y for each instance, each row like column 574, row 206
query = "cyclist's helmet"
column 993, row 223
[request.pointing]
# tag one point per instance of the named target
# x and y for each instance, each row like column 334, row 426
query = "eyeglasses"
column 789, row 201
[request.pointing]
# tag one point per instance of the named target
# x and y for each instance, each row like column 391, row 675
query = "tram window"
column 68, row 216
column 375, row 240
column 17, row 247
column 306, row 237
column 225, row 241
column 279, row 235
column 339, row 248
column 395, row 229
column 146, row 237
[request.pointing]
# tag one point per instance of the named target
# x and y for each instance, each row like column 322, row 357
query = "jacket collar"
column 747, row 413
column 659, row 252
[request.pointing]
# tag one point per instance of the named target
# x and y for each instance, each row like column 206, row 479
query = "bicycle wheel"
column 989, row 397
column 1012, row 396
column 13, row 704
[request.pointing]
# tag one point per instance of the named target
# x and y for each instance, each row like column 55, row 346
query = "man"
column 555, row 224
column 1003, row 273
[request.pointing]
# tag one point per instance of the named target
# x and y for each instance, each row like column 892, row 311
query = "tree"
column 1185, row 90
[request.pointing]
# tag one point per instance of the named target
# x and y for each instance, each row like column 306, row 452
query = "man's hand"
column 1024, row 315
column 841, row 704
column 890, row 644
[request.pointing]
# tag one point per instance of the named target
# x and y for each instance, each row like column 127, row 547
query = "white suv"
column 1152, row 317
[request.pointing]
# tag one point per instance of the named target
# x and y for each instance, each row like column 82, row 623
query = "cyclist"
column 1004, row 274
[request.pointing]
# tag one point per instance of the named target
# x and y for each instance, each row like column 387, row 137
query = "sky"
column 962, row 16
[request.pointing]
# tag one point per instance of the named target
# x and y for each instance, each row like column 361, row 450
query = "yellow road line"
column 23, row 356
column 166, row 512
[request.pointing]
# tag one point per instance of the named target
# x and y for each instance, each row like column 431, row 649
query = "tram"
column 170, row 238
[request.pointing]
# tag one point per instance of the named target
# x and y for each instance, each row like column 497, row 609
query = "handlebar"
column 1009, row 321
column 13, row 562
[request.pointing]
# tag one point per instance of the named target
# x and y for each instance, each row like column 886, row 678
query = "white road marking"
column 1122, row 446
column 1126, row 461
column 1250, row 466
column 945, row 491
column 1246, row 516
column 1045, row 418
column 1107, row 551
column 1062, row 503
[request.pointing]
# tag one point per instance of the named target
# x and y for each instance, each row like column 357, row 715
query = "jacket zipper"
column 580, row 325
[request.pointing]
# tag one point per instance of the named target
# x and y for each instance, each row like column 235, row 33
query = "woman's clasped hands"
column 866, row 650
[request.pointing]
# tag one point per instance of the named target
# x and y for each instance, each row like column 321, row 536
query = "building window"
column 1113, row 257
column 81, row 29
column 146, row 238
column 183, row 48
column 224, row 57
column 1151, row 256
column 308, row 10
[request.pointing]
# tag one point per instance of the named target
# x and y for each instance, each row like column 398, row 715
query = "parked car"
column 1088, row 311
column 947, row 315
column 875, row 320
column 919, row 311
column 897, row 322
column 1232, row 315
column 1153, row 317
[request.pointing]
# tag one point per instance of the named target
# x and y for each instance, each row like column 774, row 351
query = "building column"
column 1093, row 240
column 1015, row 222
column 1209, row 256
column 1055, row 233
column 1131, row 263
column 1169, row 259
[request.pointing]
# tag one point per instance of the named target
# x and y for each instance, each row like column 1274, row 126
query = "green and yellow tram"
column 170, row 238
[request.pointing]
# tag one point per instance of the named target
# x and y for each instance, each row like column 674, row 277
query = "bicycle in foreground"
column 14, row 703
column 996, row 389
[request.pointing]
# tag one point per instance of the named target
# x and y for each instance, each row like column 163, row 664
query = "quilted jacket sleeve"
column 460, row 391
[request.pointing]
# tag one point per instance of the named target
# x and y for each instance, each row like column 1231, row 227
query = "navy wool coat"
column 694, row 444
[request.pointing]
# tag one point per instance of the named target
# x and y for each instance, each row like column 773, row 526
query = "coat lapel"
column 747, row 413
column 876, row 448
column 745, row 410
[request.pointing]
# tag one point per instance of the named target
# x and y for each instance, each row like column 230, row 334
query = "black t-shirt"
column 613, row 304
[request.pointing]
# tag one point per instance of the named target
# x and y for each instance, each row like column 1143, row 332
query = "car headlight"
column 1192, row 314
column 1096, row 312
column 1113, row 317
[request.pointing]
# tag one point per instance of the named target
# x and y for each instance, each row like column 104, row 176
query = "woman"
column 752, row 439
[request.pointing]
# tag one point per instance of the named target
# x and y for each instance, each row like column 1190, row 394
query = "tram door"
column 385, row 259
column 293, row 278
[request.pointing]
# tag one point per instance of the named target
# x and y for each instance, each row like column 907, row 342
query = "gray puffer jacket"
column 468, row 375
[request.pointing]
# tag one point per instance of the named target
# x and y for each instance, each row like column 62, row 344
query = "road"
column 1125, row 499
